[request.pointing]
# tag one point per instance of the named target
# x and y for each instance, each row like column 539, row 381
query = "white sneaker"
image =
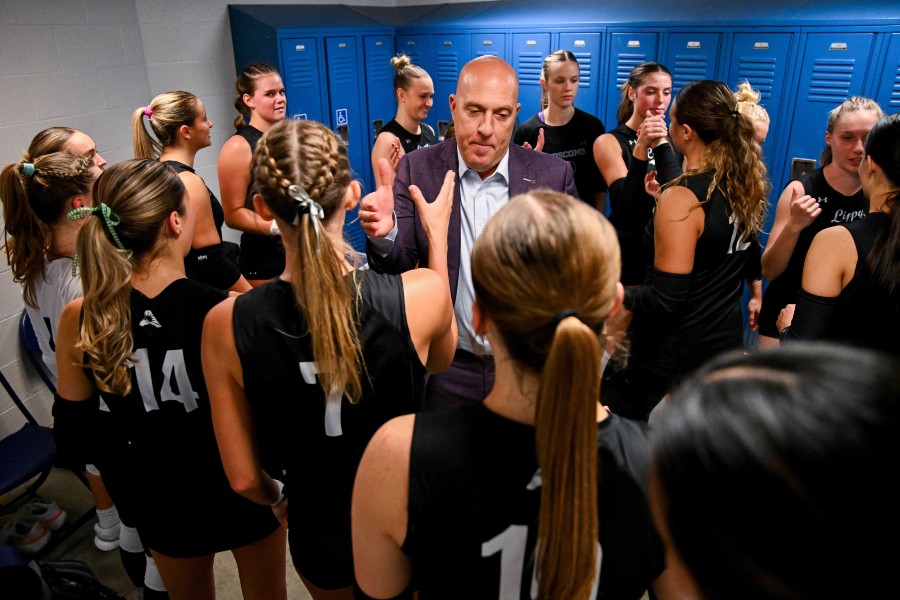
column 26, row 535
column 51, row 516
column 106, row 538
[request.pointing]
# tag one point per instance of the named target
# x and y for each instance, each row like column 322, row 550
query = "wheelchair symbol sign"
column 341, row 116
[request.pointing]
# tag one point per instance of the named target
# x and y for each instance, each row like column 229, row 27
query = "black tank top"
column 252, row 135
column 410, row 141
column 216, row 206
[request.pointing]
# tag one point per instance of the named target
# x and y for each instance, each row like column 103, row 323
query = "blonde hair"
column 246, row 84
column 554, row 58
column 405, row 72
column 748, row 103
column 852, row 104
column 732, row 152
column 141, row 194
column 32, row 202
column 309, row 155
column 541, row 255
column 167, row 112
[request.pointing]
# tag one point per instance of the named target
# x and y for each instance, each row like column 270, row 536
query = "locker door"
column 302, row 80
column 691, row 57
column 416, row 48
column 448, row 55
column 488, row 44
column 347, row 117
column 382, row 105
column 529, row 51
column 761, row 59
column 888, row 95
column 833, row 69
column 586, row 48
column 626, row 50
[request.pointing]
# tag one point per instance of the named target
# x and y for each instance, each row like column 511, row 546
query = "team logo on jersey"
column 149, row 319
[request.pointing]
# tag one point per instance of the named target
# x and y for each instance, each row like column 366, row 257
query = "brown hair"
column 732, row 152
column 635, row 80
column 246, row 84
column 852, row 104
column 406, row 72
column 541, row 255
column 168, row 112
column 141, row 194
column 554, row 58
column 36, row 193
column 308, row 154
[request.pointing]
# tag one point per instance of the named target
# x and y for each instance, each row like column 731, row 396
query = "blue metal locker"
column 691, row 57
column 302, row 79
column 379, row 75
column 346, row 88
column 888, row 94
column 448, row 55
column 528, row 53
column 416, row 48
column 586, row 48
column 626, row 51
column 762, row 59
column 833, row 69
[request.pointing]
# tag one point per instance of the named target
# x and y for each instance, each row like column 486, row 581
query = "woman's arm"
column 794, row 212
column 608, row 156
column 387, row 146
column 380, row 508
column 234, row 177
column 232, row 420
column 73, row 384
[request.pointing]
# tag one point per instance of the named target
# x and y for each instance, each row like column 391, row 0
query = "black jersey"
column 710, row 319
column 837, row 209
column 262, row 256
column 573, row 142
column 474, row 502
column 319, row 443
column 158, row 445
column 410, row 141
column 863, row 314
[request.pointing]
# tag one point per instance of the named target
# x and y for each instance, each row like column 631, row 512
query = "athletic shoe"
column 26, row 535
column 51, row 516
column 106, row 538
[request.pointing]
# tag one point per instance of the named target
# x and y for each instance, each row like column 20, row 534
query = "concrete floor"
column 63, row 487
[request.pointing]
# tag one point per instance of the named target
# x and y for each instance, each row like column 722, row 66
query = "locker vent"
column 624, row 65
column 584, row 68
column 343, row 69
column 530, row 64
column 831, row 78
column 447, row 66
column 894, row 102
column 760, row 71
column 301, row 70
column 379, row 64
column 688, row 68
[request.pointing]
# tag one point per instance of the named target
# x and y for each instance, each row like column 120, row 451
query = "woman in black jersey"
column 830, row 195
column 851, row 280
column 771, row 476
column 567, row 132
column 182, row 128
column 458, row 503
column 623, row 155
column 704, row 232
column 304, row 369
column 135, row 339
column 407, row 131
column 261, row 103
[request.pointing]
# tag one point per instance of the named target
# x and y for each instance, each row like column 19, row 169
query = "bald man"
column 488, row 172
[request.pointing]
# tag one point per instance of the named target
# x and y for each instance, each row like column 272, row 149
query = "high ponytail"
column 165, row 114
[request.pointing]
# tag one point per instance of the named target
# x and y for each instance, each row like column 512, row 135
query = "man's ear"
column 262, row 209
column 452, row 103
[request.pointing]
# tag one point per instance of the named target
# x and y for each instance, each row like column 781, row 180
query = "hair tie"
column 149, row 112
column 565, row 314
column 27, row 169
column 306, row 205
column 110, row 219
column 734, row 112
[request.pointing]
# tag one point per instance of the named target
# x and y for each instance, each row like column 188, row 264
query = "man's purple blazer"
column 426, row 167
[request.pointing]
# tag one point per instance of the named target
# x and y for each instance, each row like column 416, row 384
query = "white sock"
column 108, row 517
column 152, row 578
column 129, row 540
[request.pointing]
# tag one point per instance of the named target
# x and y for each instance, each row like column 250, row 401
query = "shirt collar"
column 502, row 166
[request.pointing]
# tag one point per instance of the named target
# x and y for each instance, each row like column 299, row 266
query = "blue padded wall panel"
column 528, row 52
column 888, row 94
column 691, row 57
column 449, row 52
column 626, row 51
column 587, row 49
column 302, row 79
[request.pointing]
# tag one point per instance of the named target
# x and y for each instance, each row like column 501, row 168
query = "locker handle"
column 580, row 44
column 300, row 48
column 487, row 43
column 838, row 46
column 448, row 43
column 410, row 43
column 634, row 43
column 693, row 44
column 342, row 45
column 377, row 44
column 531, row 43
column 761, row 46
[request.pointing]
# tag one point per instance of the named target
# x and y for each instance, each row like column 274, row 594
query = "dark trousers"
column 468, row 381
column 633, row 394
